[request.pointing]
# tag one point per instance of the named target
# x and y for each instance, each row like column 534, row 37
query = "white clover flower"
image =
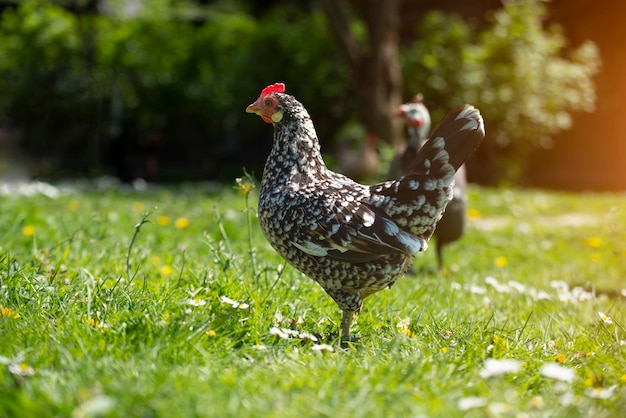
column 557, row 372
column 498, row 367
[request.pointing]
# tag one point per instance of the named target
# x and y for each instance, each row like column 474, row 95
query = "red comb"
column 274, row 88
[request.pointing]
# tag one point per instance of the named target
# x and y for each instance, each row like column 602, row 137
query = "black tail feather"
column 462, row 129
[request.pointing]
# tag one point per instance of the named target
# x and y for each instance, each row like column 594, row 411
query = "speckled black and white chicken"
column 353, row 239
column 452, row 225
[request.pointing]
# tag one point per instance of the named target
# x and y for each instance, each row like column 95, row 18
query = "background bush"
column 86, row 88
column 525, row 80
column 86, row 84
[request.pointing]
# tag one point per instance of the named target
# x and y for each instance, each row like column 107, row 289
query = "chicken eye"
column 268, row 103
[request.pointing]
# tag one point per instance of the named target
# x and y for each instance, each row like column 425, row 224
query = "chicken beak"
column 253, row 108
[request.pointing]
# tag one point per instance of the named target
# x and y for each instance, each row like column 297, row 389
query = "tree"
column 524, row 77
column 521, row 74
column 373, row 59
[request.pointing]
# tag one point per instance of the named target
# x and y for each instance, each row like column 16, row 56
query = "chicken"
column 352, row 239
column 417, row 118
column 452, row 225
column 359, row 161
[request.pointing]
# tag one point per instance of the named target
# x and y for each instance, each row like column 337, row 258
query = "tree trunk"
column 377, row 80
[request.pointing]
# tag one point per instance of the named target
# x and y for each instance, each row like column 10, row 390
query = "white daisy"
column 558, row 372
column 471, row 403
column 498, row 367
column 602, row 393
column 322, row 347
column 196, row 302
column 279, row 332
column 605, row 318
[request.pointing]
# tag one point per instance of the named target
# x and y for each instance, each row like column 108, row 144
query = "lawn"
column 169, row 302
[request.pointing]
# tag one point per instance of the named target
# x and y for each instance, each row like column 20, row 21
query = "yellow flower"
column 244, row 185
column 409, row 333
column 473, row 214
column 28, row 230
column 244, row 188
column 444, row 350
column 166, row 270
column 163, row 220
column 594, row 242
column 499, row 345
column 403, row 327
column 181, row 223
column 594, row 380
column 156, row 260
column 72, row 205
column 210, row 333
column 8, row 313
column 501, row 261
column 623, row 378
column 93, row 322
column 560, row 358
column 497, row 340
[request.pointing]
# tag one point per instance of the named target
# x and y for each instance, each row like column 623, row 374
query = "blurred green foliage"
column 524, row 78
column 185, row 70
column 73, row 77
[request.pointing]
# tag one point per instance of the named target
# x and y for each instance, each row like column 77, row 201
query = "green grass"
column 95, row 326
